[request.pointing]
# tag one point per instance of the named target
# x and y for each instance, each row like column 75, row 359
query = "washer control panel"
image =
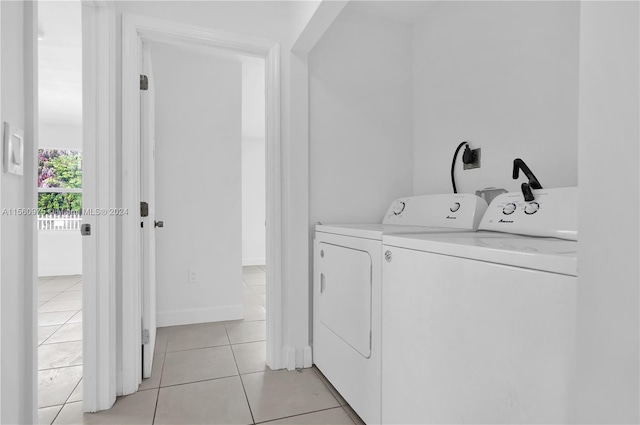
column 553, row 213
column 456, row 211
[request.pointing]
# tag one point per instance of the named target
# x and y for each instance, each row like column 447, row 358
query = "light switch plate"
column 13, row 150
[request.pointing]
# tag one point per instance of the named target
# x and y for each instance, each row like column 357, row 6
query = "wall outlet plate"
column 193, row 276
column 476, row 163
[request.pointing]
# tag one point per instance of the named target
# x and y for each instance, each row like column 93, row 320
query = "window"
column 59, row 182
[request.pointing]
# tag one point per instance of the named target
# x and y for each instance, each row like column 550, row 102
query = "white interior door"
column 149, row 224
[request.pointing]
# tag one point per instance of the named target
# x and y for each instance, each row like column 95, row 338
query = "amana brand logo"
column 505, row 221
column 451, row 218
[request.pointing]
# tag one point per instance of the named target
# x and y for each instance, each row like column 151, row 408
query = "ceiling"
column 60, row 62
column 406, row 12
column 60, row 52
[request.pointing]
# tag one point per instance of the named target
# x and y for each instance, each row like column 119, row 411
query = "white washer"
column 347, row 290
column 480, row 327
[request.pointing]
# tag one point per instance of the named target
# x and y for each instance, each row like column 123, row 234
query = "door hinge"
column 145, row 336
column 144, row 209
column 144, row 82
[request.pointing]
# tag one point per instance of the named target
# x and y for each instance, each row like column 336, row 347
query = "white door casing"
column 135, row 31
column 148, row 194
column 99, row 187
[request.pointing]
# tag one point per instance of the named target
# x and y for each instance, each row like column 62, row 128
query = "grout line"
column 197, row 348
column 164, row 362
column 60, row 367
column 253, row 419
column 261, row 371
column 71, row 393
column 57, row 414
column 60, row 342
column 245, row 343
column 52, row 334
column 155, row 410
column 302, row 414
column 52, row 405
column 194, row 382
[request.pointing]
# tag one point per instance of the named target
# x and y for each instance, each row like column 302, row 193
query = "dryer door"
column 345, row 294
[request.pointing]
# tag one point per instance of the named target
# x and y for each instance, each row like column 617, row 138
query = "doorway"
column 207, row 150
column 136, row 31
column 60, row 207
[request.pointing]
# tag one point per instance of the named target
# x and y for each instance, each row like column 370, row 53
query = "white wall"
column 504, row 76
column 253, row 162
column 253, row 202
column 59, row 252
column 360, row 91
column 253, row 97
column 198, row 185
column 60, row 136
column 608, row 308
column 18, row 288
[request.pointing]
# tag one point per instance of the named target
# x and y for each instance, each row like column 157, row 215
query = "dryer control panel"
column 553, row 213
column 456, row 211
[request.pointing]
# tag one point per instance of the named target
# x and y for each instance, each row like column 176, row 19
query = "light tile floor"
column 211, row 373
column 59, row 343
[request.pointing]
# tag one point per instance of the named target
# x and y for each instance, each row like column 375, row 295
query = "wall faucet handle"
column 518, row 165
column 526, row 191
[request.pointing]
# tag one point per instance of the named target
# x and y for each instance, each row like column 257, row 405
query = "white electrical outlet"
column 193, row 276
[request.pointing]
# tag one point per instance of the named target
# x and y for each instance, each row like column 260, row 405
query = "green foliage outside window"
column 59, row 203
column 59, row 169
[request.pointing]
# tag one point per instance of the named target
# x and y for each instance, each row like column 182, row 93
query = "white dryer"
column 348, row 288
column 480, row 327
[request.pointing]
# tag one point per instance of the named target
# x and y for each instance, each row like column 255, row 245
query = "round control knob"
column 455, row 207
column 531, row 208
column 509, row 208
column 399, row 207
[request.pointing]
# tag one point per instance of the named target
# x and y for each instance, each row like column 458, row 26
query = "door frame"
column 99, row 193
column 135, row 30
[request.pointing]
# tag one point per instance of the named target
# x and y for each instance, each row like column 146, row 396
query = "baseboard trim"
column 254, row 261
column 289, row 358
column 199, row 315
column 294, row 358
column 307, row 358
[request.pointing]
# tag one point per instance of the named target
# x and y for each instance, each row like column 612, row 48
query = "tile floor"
column 210, row 373
column 59, row 342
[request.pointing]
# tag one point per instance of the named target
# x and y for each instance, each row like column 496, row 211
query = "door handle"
column 158, row 223
column 323, row 283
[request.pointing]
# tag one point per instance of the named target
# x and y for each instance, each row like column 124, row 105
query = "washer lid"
column 377, row 231
column 545, row 254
